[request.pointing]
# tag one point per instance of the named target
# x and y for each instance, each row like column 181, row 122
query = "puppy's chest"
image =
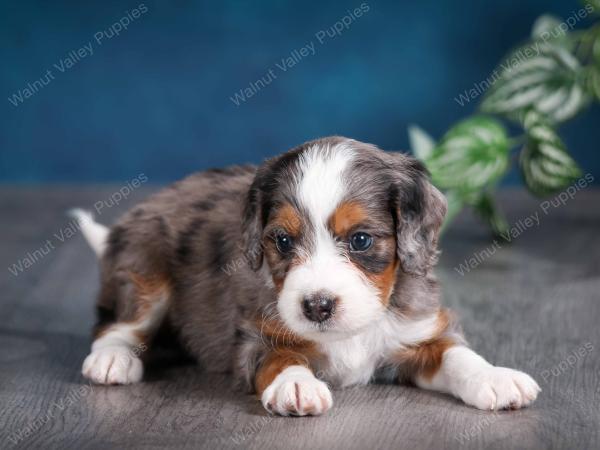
column 349, row 361
column 355, row 360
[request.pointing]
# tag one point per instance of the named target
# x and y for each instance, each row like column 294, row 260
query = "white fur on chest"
column 353, row 360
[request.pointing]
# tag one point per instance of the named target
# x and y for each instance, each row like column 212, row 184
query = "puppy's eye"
column 359, row 242
column 284, row 243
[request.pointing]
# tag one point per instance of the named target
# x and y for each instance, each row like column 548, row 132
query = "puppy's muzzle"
column 319, row 307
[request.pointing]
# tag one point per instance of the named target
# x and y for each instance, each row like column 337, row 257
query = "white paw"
column 115, row 364
column 499, row 388
column 296, row 391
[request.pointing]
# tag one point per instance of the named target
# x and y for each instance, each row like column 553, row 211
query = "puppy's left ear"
column 420, row 209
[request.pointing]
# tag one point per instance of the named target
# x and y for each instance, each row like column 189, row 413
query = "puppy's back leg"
column 118, row 346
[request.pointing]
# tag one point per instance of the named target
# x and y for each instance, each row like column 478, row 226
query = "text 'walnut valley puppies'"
column 318, row 262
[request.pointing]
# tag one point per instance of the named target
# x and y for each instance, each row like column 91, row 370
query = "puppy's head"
column 331, row 223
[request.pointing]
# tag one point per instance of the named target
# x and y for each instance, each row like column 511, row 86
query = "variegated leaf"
column 548, row 82
column 550, row 29
column 473, row 154
column 421, row 143
column 594, row 82
column 455, row 206
column 592, row 6
column 487, row 209
column 544, row 161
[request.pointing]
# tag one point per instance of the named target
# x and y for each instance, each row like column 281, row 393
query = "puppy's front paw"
column 296, row 391
column 112, row 365
column 499, row 388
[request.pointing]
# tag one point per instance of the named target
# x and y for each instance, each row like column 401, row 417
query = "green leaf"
column 591, row 77
column 594, row 68
column 455, row 205
column 594, row 82
column 548, row 81
column 545, row 163
column 546, row 23
column 549, row 28
column 471, row 155
column 420, row 142
column 486, row 208
column 592, row 6
column 596, row 47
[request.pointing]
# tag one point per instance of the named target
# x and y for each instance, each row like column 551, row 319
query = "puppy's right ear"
column 259, row 202
column 252, row 225
column 420, row 209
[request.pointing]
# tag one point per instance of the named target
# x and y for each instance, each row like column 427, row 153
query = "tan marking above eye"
column 346, row 217
column 287, row 218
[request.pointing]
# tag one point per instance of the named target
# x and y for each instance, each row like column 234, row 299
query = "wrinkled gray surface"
column 529, row 306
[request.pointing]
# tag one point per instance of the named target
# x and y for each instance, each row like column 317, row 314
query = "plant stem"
column 517, row 140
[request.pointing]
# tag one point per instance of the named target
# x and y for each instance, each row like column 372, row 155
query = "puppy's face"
column 331, row 223
column 333, row 267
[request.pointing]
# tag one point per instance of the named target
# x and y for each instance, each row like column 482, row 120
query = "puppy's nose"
column 318, row 307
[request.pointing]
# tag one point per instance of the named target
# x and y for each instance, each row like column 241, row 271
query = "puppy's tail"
column 95, row 233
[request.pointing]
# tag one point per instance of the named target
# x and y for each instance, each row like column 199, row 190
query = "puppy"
column 310, row 271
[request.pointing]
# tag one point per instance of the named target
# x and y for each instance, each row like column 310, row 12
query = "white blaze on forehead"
column 320, row 189
column 320, row 185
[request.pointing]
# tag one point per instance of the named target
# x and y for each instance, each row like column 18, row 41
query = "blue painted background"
column 156, row 98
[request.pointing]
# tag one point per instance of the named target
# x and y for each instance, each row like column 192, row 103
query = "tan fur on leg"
column 115, row 356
